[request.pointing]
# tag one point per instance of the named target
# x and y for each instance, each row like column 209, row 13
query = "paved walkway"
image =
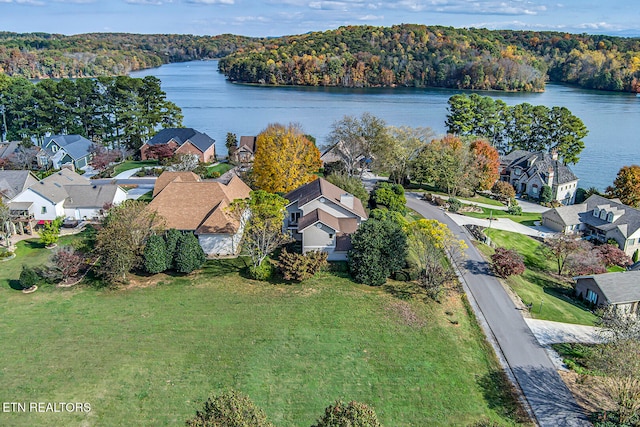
column 549, row 398
column 127, row 174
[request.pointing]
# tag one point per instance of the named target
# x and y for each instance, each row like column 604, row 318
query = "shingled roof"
column 166, row 177
column 323, row 188
column 13, row 183
column 77, row 146
column 618, row 288
column 199, row 206
column 200, row 140
column 539, row 162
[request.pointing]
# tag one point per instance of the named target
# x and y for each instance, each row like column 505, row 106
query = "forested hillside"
column 420, row 56
column 354, row 56
column 40, row 55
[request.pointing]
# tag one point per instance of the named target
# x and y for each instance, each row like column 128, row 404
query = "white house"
column 323, row 216
column 66, row 194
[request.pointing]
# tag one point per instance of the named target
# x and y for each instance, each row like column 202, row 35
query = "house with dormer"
column 322, row 217
column 66, row 149
column 529, row 171
column 598, row 218
column 182, row 141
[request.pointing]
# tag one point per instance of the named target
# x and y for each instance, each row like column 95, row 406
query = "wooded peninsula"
column 354, row 56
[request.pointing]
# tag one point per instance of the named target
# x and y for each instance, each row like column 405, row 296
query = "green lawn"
column 131, row 164
column 146, row 197
column 220, row 168
column 536, row 285
column 527, row 218
column 151, row 355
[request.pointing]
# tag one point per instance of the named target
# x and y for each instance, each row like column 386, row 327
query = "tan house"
column 322, row 217
column 598, row 218
column 618, row 289
column 246, row 150
column 183, row 141
column 188, row 204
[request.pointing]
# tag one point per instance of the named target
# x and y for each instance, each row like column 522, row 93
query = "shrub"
column 352, row 414
column 67, row 261
column 28, row 277
column 155, row 260
column 5, row 253
column 390, row 196
column 546, row 195
column 189, row 254
column 262, row 272
column 171, row 238
column 50, row 233
column 636, row 256
column 454, row 205
column 514, row 210
column 230, row 409
column 507, row 262
column 298, row 267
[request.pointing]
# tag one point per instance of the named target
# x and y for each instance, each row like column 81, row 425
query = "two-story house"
column 182, row 141
column 322, row 217
column 65, row 149
column 529, row 171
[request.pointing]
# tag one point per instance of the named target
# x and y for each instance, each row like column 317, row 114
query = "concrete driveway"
column 548, row 332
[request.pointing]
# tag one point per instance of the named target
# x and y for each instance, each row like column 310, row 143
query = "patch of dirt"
column 136, row 282
column 588, row 391
column 403, row 311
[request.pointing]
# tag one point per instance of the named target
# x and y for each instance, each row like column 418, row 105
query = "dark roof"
column 618, row 288
column 77, row 146
column 200, row 140
column 343, row 227
column 248, row 143
column 539, row 162
column 8, row 148
column 13, row 183
column 323, row 188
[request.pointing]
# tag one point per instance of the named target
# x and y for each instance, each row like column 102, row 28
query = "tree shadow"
column 224, row 266
column 502, row 396
column 15, row 285
column 478, row 267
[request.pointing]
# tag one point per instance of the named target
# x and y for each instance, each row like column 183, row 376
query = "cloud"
column 598, row 26
column 76, row 1
column 28, row 2
column 244, row 19
column 471, row 7
column 152, row 2
column 211, row 1
column 370, row 18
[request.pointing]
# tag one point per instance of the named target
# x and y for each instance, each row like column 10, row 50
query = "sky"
column 283, row 17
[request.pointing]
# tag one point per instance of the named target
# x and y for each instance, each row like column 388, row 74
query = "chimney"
column 554, row 154
column 346, row 199
column 551, row 175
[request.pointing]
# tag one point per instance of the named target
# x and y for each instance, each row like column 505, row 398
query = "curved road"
column 549, row 398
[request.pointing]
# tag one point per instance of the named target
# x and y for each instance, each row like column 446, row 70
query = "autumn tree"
column 160, row 152
column 102, row 157
column 446, row 163
column 612, row 255
column 121, row 240
column 485, row 164
column 585, row 260
column 626, row 186
column 429, row 243
column 67, row 261
column 559, row 248
column 261, row 216
column 507, row 262
column 284, row 159
column 504, row 190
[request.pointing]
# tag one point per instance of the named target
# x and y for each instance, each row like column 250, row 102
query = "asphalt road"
column 549, row 398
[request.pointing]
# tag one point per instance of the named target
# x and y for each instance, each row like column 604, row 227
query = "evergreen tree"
column 189, row 254
column 171, row 238
column 155, row 260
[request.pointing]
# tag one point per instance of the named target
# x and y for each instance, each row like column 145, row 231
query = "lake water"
column 215, row 106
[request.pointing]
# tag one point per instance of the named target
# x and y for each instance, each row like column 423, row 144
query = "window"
column 632, row 242
column 330, row 236
column 596, row 212
column 534, row 189
column 43, row 210
column 592, row 296
column 603, row 214
column 294, row 217
column 517, row 172
column 610, row 217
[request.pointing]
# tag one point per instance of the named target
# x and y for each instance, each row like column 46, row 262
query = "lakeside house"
column 187, row 203
column 65, row 149
column 322, row 217
column 529, row 171
column 182, row 141
column 598, row 218
column 246, row 151
column 621, row 290
column 65, row 194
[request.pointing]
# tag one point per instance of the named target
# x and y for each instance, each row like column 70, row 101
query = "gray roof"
column 618, row 288
column 539, row 162
column 7, row 149
column 568, row 215
column 77, row 146
column 53, row 187
column 322, row 187
column 89, row 196
column 181, row 135
column 13, row 183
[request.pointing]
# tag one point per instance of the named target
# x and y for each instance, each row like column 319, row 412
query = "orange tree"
column 285, row 159
column 486, row 164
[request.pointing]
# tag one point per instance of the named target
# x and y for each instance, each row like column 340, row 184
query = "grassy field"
column 151, row 354
column 131, row 164
column 527, row 218
column 536, row 285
